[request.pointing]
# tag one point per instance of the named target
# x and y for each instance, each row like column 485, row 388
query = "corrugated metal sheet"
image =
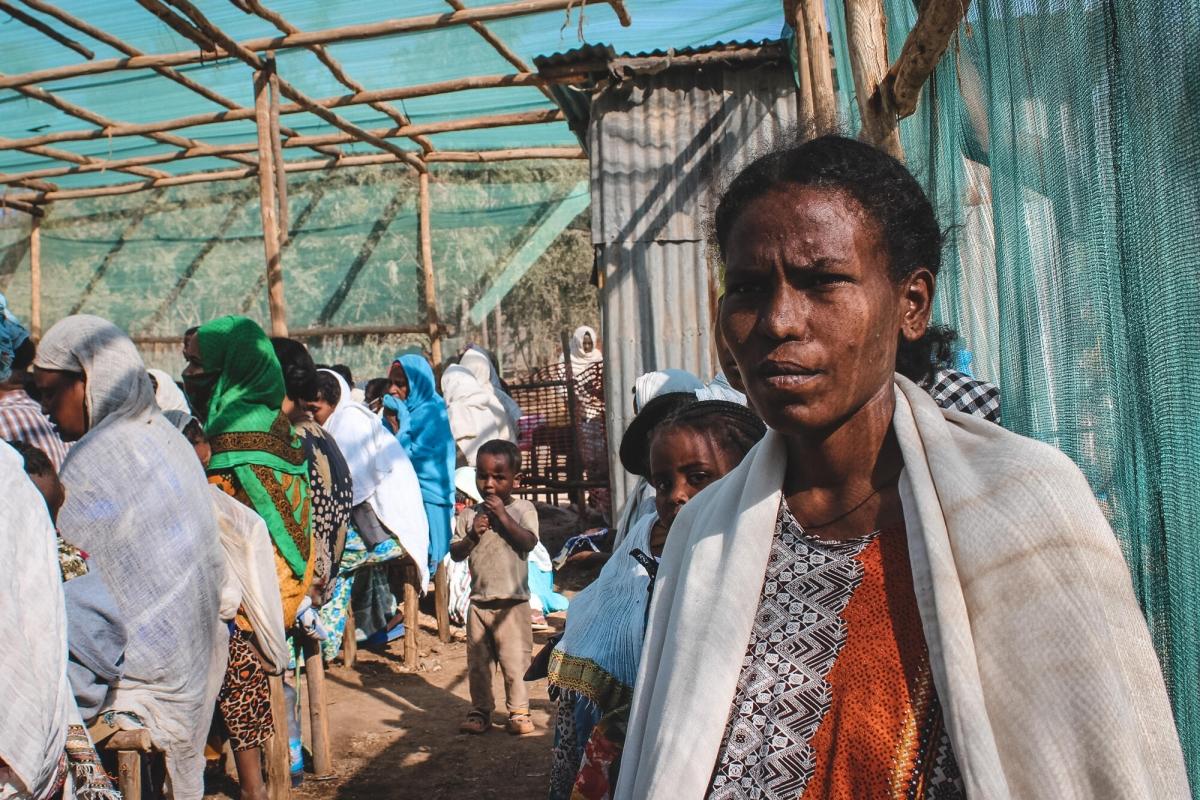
column 660, row 147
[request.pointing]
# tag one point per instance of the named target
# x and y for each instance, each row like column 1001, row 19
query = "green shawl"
column 251, row 438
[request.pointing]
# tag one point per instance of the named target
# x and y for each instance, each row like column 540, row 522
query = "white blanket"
column 34, row 692
column 1047, row 677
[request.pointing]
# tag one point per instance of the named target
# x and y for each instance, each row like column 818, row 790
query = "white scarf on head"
column 581, row 360
column 168, row 395
column 139, row 503
column 476, row 415
column 479, row 364
column 382, row 474
column 1046, row 674
column 38, row 704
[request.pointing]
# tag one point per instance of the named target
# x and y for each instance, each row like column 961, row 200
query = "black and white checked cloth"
column 951, row 389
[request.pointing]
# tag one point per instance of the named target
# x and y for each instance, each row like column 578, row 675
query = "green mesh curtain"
column 1061, row 145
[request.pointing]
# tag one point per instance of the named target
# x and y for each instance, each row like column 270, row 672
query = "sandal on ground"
column 520, row 725
column 475, row 723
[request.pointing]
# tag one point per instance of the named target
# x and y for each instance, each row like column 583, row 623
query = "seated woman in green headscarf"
column 236, row 387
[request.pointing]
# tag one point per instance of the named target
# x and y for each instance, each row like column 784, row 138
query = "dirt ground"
column 395, row 731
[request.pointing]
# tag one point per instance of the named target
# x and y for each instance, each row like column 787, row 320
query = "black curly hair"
column 328, row 388
column 299, row 371
column 36, row 460
column 880, row 184
column 919, row 360
column 731, row 426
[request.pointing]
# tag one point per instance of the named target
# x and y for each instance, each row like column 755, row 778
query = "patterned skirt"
column 245, row 698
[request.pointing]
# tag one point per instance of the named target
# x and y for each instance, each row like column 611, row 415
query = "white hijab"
column 138, row 502
column 383, row 475
column 167, row 394
column 579, row 359
column 650, row 385
column 1046, row 674
column 479, row 364
column 36, row 696
column 476, row 415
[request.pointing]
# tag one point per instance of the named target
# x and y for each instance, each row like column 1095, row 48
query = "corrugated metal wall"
column 661, row 146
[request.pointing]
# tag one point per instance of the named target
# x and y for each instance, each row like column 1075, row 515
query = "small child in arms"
column 495, row 538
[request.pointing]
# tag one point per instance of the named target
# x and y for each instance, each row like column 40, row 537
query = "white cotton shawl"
column 1041, row 658
column 476, row 415
column 168, row 396
column 34, row 692
column 719, row 388
column 138, row 502
column 479, row 364
column 383, row 475
column 664, row 381
column 250, row 574
column 581, row 360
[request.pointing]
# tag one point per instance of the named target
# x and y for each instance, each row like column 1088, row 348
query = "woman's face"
column 682, row 462
column 397, row 382
column 64, row 399
column 810, row 312
column 588, row 344
column 320, row 410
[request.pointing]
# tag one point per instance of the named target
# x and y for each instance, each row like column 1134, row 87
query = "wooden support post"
column 411, row 614
column 498, row 316
column 824, row 99
column 129, row 774
column 441, row 601
column 267, row 200
column 349, row 639
column 35, row 278
column 805, row 115
column 867, row 34
column 426, row 239
column 281, row 195
column 279, row 762
column 314, row 671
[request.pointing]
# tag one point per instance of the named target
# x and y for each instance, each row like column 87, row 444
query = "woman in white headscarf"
column 476, row 414
column 479, row 363
column 167, row 394
column 139, row 504
column 382, row 474
column 585, row 350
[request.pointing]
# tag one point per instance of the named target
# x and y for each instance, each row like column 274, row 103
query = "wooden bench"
column 129, row 746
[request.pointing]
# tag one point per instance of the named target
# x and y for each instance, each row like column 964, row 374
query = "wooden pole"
column 314, row 672
column 804, row 91
column 936, row 25
column 267, row 200
column 498, row 318
column 279, row 761
column 35, row 278
column 824, row 99
column 344, row 33
column 349, row 638
column 129, row 774
column 441, row 601
column 866, row 30
column 412, row 613
column 281, row 195
column 45, row 29
column 425, row 235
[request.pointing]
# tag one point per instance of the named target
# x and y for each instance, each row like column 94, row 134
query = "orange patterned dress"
column 835, row 699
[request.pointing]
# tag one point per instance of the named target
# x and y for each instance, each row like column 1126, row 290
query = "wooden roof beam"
column 338, row 101
column 43, row 28
column 97, row 164
column 32, row 209
column 129, row 50
column 313, row 165
column 447, row 126
column 500, row 47
column 285, row 88
column 334, row 67
column 345, row 33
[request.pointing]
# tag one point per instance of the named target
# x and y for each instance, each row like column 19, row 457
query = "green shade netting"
column 1060, row 144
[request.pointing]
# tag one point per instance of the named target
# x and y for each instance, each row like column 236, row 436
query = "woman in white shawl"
column 585, row 350
column 383, row 476
column 166, row 393
column 883, row 594
column 139, row 504
column 476, row 414
column 479, row 363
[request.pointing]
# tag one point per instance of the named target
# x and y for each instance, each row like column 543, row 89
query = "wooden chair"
column 130, row 747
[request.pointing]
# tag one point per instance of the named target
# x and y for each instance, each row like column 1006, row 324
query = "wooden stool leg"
column 411, row 613
column 349, row 639
column 441, row 601
column 314, row 682
column 279, row 762
column 129, row 774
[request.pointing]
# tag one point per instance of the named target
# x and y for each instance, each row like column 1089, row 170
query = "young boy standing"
column 495, row 538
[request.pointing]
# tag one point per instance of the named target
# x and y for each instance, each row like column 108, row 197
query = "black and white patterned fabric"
column 961, row 392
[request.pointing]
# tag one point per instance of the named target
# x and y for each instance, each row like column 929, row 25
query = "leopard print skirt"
column 245, row 698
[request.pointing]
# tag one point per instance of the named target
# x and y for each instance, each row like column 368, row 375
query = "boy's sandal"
column 520, row 725
column 475, row 723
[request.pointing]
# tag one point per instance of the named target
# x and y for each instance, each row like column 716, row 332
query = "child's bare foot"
column 475, row 723
column 520, row 725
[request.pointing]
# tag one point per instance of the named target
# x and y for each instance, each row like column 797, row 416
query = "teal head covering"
column 430, row 446
column 12, row 335
column 251, row 438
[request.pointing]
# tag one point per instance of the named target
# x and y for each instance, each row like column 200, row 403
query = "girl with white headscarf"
column 139, row 504
column 476, row 414
column 383, row 476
